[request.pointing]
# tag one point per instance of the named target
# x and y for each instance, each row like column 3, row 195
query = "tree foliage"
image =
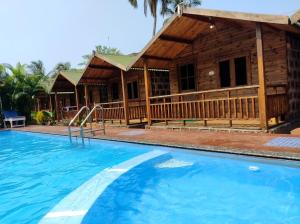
column 20, row 86
column 167, row 7
column 100, row 49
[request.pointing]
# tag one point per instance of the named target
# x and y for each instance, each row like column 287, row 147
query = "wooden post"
column 38, row 104
column 56, row 106
column 229, row 108
column 262, row 95
column 50, row 103
column 125, row 97
column 77, row 98
column 86, row 95
column 147, row 91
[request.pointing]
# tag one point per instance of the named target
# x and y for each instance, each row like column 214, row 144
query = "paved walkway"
column 240, row 143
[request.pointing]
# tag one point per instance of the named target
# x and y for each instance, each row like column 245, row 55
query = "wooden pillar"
column 86, row 95
column 56, row 106
column 125, row 97
column 76, row 98
column 38, row 104
column 50, row 103
column 262, row 94
column 147, row 91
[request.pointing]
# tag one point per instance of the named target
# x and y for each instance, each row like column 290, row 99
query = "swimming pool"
column 40, row 174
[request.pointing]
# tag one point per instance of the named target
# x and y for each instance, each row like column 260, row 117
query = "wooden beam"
column 56, row 105
column 147, row 91
column 102, row 67
column 125, row 97
column 158, row 58
column 263, row 18
column 50, row 103
column 76, row 98
column 86, row 95
column 178, row 40
column 262, row 94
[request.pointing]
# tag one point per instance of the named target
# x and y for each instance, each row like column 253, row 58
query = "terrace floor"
column 258, row 144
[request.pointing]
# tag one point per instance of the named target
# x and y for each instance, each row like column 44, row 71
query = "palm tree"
column 62, row 66
column 172, row 5
column 37, row 68
column 152, row 4
column 100, row 49
column 168, row 7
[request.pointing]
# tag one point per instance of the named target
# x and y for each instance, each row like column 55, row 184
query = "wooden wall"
column 293, row 46
column 230, row 41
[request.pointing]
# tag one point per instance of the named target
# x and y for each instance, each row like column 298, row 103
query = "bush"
column 44, row 117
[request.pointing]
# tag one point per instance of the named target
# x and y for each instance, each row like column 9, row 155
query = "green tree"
column 20, row 88
column 173, row 4
column 37, row 68
column 168, row 7
column 153, row 6
column 61, row 66
column 100, row 49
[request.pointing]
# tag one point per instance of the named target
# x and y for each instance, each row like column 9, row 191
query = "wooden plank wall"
column 293, row 46
column 229, row 41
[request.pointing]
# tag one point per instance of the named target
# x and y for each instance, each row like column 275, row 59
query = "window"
column 103, row 94
column 115, row 91
column 224, row 67
column 233, row 68
column 91, row 98
column 132, row 88
column 187, row 77
column 240, row 71
column 160, row 83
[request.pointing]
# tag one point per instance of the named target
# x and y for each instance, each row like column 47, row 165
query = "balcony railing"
column 238, row 103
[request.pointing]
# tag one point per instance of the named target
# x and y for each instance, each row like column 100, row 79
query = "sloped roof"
column 47, row 84
column 101, row 67
column 72, row 75
column 182, row 29
column 295, row 18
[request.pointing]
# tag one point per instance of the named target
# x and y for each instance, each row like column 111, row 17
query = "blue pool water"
column 38, row 171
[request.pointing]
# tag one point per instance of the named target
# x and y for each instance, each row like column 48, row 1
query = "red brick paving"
column 241, row 142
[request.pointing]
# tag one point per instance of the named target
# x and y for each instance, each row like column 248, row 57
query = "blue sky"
column 64, row 30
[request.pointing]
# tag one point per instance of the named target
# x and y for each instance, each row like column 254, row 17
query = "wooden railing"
column 230, row 103
column 137, row 112
column 113, row 110
column 277, row 101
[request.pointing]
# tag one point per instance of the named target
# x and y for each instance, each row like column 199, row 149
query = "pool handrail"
column 96, row 106
column 74, row 119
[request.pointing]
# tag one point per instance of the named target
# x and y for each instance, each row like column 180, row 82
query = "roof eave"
column 139, row 56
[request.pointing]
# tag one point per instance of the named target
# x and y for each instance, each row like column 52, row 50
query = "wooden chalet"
column 203, row 68
column 224, row 69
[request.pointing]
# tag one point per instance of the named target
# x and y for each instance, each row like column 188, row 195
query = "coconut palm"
column 62, row 66
column 37, row 68
column 152, row 5
column 100, row 49
column 172, row 5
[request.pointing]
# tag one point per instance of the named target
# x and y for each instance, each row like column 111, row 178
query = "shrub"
column 44, row 117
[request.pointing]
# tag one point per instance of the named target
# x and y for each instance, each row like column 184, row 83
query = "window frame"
column 231, row 60
column 115, row 85
column 132, row 90
column 187, row 63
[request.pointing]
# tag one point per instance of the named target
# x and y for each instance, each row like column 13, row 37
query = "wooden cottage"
column 105, row 83
column 203, row 68
column 223, row 69
column 63, row 95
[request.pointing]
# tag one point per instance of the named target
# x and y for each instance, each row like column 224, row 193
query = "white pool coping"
column 73, row 208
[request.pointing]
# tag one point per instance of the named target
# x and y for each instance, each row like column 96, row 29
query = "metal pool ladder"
column 101, row 123
column 70, row 130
